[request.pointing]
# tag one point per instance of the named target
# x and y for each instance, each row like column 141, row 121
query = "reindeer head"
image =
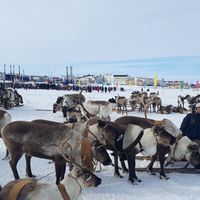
column 84, row 177
column 193, row 155
column 162, row 136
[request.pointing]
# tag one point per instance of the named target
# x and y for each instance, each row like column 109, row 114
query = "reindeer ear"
column 157, row 129
column 193, row 147
column 76, row 170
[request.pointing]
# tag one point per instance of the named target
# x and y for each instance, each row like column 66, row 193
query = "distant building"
column 139, row 81
column 56, row 79
column 37, row 78
column 173, row 84
column 120, row 79
column 108, row 79
column 86, row 80
column 131, row 81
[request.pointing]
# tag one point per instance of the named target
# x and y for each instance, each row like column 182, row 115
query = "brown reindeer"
column 181, row 100
column 5, row 118
column 156, row 103
column 90, row 131
column 43, row 141
column 121, row 104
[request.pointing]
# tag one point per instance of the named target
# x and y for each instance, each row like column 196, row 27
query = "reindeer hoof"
column 125, row 171
column 118, row 175
column 135, row 181
column 151, row 173
column 138, row 180
column 132, row 182
column 6, row 158
column 164, row 177
column 31, row 176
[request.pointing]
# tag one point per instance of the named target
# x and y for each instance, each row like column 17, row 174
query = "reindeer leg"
column 131, row 166
column 124, row 168
column 59, row 168
column 28, row 166
column 116, row 166
column 7, row 155
column 162, row 152
column 63, row 172
column 15, row 156
column 150, row 166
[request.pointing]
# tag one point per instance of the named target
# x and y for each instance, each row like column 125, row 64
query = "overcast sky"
column 44, row 36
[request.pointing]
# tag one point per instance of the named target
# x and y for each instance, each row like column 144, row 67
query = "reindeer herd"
column 85, row 138
column 9, row 97
column 141, row 101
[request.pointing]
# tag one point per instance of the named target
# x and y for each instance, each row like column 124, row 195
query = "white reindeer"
column 70, row 188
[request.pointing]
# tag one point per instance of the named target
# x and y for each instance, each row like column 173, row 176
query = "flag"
column 155, row 80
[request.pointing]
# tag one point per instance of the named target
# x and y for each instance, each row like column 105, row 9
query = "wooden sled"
column 173, row 170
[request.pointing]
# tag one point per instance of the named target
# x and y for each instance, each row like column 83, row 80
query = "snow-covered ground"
column 178, row 187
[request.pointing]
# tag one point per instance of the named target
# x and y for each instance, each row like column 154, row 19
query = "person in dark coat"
column 190, row 126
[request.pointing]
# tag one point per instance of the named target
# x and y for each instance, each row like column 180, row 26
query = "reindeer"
column 184, row 148
column 69, row 189
column 5, row 118
column 133, row 100
column 179, row 109
column 166, row 109
column 44, row 141
column 90, row 131
column 132, row 139
column 193, row 100
column 67, row 102
column 162, row 150
column 156, row 103
column 145, row 104
column 4, row 98
column 181, row 100
column 121, row 104
column 97, row 108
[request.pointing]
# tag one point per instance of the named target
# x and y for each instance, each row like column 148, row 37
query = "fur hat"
column 197, row 105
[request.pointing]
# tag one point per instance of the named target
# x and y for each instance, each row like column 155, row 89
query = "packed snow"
column 38, row 105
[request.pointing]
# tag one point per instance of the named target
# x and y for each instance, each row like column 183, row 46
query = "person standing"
column 190, row 125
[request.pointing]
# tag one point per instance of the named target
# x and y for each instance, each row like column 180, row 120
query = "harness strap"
column 63, row 191
column 85, row 134
column 137, row 140
column 86, row 155
column 176, row 145
column 88, row 131
column 16, row 189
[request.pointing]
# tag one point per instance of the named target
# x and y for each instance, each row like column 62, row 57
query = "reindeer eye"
column 88, row 176
column 78, row 172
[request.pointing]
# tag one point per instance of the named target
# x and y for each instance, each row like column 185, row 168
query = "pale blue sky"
column 44, row 36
